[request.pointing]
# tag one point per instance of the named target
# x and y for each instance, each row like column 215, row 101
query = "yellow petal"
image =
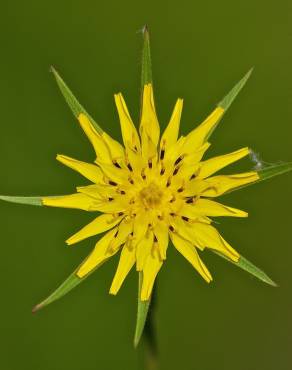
column 149, row 122
column 98, row 191
column 115, row 174
column 116, row 149
column 206, row 207
column 160, row 231
column 140, row 227
column 170, row 134
column 99, row 225
column 190, row 253
column 129, row 132
column 88, row 170
column 215, row 164
column 143, row 250
column 218, row 185
column 78, row 201
column 190, row 163
column 199, row 135
column 207, row 236
column 123, row 234
column 127, row 261
column 151, row 267
column 99, row 254
column 100, row 147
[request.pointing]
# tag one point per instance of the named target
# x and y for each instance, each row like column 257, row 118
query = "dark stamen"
column 175, row 171
column 193, row 176
column 168, row 183
column 116, row 234
column 172, row 200
column 130, row 167
column 112, row 183
column 177, row 161
column 162, row 171
column 110, row 199
column 123, row 192
column 162, row 154
column 180, row 190
column 189, row 200
column 172, row 214
column 116, row 164
column 185, row 218
column 155, row 239
column 171, row 228
column 120, row 213
column 150, row 163
column 131, row 181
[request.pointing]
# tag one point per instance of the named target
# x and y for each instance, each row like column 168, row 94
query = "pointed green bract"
column 274, row 170
column 73, row 103
column 146, row 73
column 142, row 311
column 228, row 99
column 146, row 77
column 246, row 265
column 71, row 282
column 34, row 201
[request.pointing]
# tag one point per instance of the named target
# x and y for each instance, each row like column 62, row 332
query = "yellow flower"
column 152, row 189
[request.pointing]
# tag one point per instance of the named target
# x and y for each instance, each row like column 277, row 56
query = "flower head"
column 152, row 189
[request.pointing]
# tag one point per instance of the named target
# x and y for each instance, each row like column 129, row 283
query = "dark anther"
column 120, row 213
column 189, row 200
column 155, row 239
column 175, row 171
column 180, row 190
column 168, row 183
column 116, row 234
column 131, row 181
column 132, row 233
column 171, row 228
column 150, row 163
column 162, row 171
column 110, row 199
column 116, row 164
column 177, row 161
column 193, row 176
column 185, row 218
column 123, row 192
column 172, row 200
column 162, row 154
column 129, row 167
column 172, row 214
column 112, row 183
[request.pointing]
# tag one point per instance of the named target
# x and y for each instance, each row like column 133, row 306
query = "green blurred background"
column 199, row 50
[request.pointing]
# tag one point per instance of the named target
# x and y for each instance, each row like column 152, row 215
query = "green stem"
column 151, row 348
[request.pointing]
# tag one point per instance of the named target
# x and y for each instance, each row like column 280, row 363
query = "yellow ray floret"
column 99, row 225
column 127, row 261
column 209, row 167
column 88, row 170
column 190, row 253
column 129, row 133
column 149, row 126
column 170, row 134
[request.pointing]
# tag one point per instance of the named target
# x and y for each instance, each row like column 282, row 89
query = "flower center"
column 151, row 195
